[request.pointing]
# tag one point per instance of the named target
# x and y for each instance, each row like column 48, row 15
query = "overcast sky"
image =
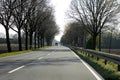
column 61, row 7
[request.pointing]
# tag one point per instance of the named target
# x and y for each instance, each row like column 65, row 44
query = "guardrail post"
column 105, row 62
column 118, row 67
column 97, row 58
column 100, row 55
column 92, row 56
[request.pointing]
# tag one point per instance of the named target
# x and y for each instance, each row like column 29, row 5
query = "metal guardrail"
column 106, row 56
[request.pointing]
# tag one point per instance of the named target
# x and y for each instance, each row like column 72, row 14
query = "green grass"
column 19, row 52
column 14, row 53
column 108, row 71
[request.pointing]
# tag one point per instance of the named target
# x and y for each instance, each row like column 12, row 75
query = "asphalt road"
column 54, row 63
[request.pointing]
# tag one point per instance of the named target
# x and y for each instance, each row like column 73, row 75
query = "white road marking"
column 24, row 66
column 48, row 54
column 89, row 68
column 16, row 69
column 40, row 58
column 43, row 57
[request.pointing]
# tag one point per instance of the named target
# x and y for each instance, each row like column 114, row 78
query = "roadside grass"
column 13, row 53
column 107, row 71
column 20, row 52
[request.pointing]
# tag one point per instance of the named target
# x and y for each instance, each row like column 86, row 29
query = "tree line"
column 33, row 18
column 74, row 35
column 90, row 18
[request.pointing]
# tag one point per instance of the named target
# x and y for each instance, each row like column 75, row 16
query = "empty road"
column 54, row 63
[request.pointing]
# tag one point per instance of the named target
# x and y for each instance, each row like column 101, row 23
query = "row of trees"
column 95, row 16
column 111, row 40
column 74, row 35
column 34, row 18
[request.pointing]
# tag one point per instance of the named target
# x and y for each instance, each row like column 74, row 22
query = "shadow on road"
column 55, row 62
column 57, row 50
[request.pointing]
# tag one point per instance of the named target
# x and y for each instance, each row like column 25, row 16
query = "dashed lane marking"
column 16, row 69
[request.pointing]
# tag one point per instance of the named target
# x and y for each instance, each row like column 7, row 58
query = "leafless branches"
column 94, row 14
column 28, row 16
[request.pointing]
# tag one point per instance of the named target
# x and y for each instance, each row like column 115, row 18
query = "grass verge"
column 107, row 71
column 14, row 53
column 19, row 52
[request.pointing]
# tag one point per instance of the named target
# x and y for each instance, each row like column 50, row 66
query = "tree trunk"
column 94, row 42
column 26, row 40
column 31, row 33
column 41, row 41
column 110, row 44
column 8, row 40
column 84, row 42
column 38, row 39
column 35, row 41
column 19, row 40
column 48, row 41
column 100, row 41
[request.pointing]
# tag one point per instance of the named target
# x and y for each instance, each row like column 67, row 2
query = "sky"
column 60, row 6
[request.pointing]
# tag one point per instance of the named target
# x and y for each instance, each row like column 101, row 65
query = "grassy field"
column 108, row 71
column 14, row 47
column 3, row 47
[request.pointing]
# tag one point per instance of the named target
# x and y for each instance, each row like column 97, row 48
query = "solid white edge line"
column 16, row 69
column 89, row 68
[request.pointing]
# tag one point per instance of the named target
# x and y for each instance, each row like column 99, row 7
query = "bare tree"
column 36, row 10
column 51, row 30
column 42, row 25
column 112, row 28
column 94, row 14
column 19, row 15
column 31, row 16
column 74, row 35
column 6, row 8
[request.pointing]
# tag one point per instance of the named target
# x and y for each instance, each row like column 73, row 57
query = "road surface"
column 54, row 63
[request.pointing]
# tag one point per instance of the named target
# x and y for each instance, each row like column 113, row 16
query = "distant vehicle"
column 56, row 44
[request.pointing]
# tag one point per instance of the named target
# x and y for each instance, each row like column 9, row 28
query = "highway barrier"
column 103, row 55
